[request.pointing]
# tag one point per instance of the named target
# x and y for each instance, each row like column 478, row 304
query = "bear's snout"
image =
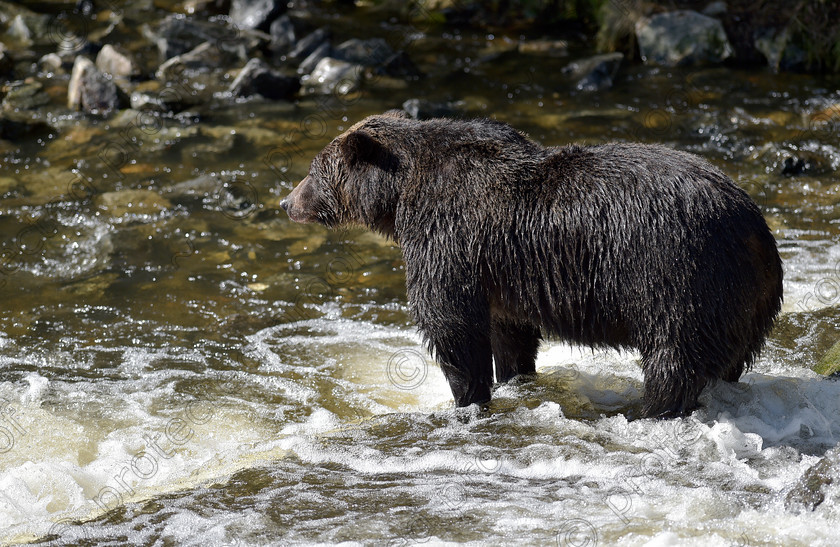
column 299, row 204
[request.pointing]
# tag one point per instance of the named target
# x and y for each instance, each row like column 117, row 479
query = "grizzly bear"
column 504, row 241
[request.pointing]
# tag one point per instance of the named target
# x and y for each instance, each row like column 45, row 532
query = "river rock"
column 829, row 364
column 334, row 75
column 282, row 35
column 24, row 95
column 372, row 52
column 682, row 37
column 255, row 14
column 595, row 73
column 138, row 202
column 309, row 64
column 116, row 63
column 306, row 46
column 257, row 78
column 203, row 57
column 176, row 35
column 90, row 90
column 52, row 62
column 811, row 488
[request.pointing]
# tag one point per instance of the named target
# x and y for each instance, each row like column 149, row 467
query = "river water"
column 197, row 370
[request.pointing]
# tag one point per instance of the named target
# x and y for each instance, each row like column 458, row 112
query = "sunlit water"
column 207, row 373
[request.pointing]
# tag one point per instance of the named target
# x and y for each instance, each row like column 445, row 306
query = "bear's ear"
column 360, row 147
column 397, row 113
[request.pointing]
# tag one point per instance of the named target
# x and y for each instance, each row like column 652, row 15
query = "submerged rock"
column 138, row 202
column 91, row 91
column 682, row 37
column 548, row 48
column 256, row 78
column 830, row 363
column 24, row 95
column 595, row 73
column 372, row 52
column 15, row 126
column 809, row 491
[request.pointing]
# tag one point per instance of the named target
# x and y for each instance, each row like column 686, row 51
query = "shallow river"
column 198, row 370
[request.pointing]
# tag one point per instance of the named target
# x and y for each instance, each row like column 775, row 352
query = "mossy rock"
column 830, row 362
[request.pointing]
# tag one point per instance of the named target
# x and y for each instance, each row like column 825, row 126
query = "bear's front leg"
column 466, row 361
column 453, row 316
column 514, row 349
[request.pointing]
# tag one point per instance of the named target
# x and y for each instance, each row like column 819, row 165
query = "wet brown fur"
column 618, row 245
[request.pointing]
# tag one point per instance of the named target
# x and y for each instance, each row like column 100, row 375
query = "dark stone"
column 256, row 78
column 203, row 57
column 176, row 35
column 255, row 14
column 306, row 46
column 309, row 64
column 282, row 35
column 372, row 52
column 594, row 73
column 14, row 127
column 7, row 65
column 400, row 65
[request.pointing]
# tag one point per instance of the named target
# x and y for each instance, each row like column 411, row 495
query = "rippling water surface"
column 197, row 370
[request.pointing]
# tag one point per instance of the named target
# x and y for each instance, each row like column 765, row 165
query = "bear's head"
column 355, row 178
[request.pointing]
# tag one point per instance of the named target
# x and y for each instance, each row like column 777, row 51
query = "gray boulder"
column 257, row 78
column 682, row 37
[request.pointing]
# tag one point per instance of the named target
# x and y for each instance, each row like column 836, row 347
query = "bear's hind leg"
column 672, row 384
column 514, row 349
